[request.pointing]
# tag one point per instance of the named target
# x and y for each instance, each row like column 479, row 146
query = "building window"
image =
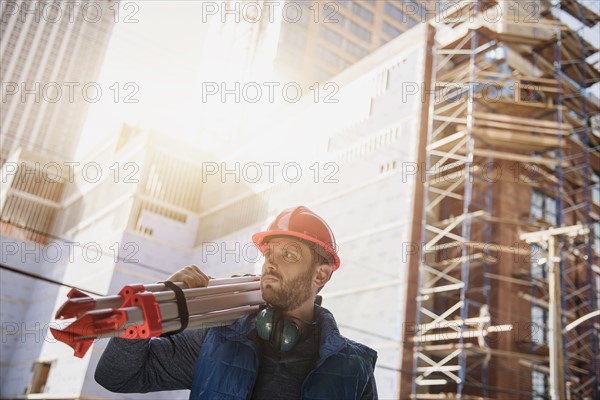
column 539, row 331
column 540, row 386
column 354, row 28
column 331, row 36
column 538, row 270
column 387, row 167
column 359, row 31
column 355, row 50
column 390, row 30
column 361, row 11
column 331, row 58
column 40, row 370
column 596, row 187
column 342, row 42
column 399, row 15
column 543, row 207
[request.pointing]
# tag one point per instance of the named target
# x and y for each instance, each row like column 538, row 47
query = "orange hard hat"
column 302, row 223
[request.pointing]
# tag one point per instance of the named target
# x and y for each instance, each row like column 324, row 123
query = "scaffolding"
column 510, row 124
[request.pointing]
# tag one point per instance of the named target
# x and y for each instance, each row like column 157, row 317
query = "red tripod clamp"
column 152, row 325
column 128, row 293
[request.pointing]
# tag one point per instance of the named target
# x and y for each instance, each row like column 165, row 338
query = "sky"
column 149, row 70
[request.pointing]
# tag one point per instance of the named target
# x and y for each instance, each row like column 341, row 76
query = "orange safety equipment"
column 302, row 223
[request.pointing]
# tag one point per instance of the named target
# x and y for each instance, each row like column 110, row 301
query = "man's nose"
column 270, row 262
column 268, row 267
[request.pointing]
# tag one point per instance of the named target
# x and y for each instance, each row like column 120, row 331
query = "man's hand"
column 191, row 275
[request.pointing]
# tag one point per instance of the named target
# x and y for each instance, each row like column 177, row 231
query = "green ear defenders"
column 283, row 333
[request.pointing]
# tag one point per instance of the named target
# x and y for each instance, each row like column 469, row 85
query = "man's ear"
column 322, row 274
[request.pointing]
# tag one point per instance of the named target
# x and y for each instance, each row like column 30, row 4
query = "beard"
column 290, row 294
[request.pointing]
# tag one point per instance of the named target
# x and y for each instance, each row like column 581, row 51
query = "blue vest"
column 229, row 360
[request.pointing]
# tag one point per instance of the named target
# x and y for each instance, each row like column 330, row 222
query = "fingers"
column 191, row 275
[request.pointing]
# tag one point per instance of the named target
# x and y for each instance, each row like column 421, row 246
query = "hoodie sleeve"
column 150, row 365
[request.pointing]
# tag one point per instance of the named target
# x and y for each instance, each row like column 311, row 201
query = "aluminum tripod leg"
column 143, row 311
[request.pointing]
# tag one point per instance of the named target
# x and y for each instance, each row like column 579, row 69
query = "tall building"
column 307, row 41
column 330, row 36
column 51, row 55
column 311, row 41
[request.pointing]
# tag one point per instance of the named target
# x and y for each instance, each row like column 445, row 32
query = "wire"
column 402, row 371
column 367, row 332
column 77, row 244
column 129, row 261
column 41, row 278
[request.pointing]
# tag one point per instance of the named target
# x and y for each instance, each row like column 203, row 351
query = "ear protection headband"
column 283, row 333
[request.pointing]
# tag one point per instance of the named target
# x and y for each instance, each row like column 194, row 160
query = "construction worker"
column 290, row 350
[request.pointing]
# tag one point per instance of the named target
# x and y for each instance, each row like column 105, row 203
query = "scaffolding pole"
column 557, row 359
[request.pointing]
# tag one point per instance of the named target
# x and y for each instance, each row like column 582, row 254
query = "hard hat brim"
column 259, row 239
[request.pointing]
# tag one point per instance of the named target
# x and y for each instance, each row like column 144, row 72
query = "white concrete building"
column 364, row 148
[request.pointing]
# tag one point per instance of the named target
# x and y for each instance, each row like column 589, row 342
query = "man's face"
column 287, row 273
